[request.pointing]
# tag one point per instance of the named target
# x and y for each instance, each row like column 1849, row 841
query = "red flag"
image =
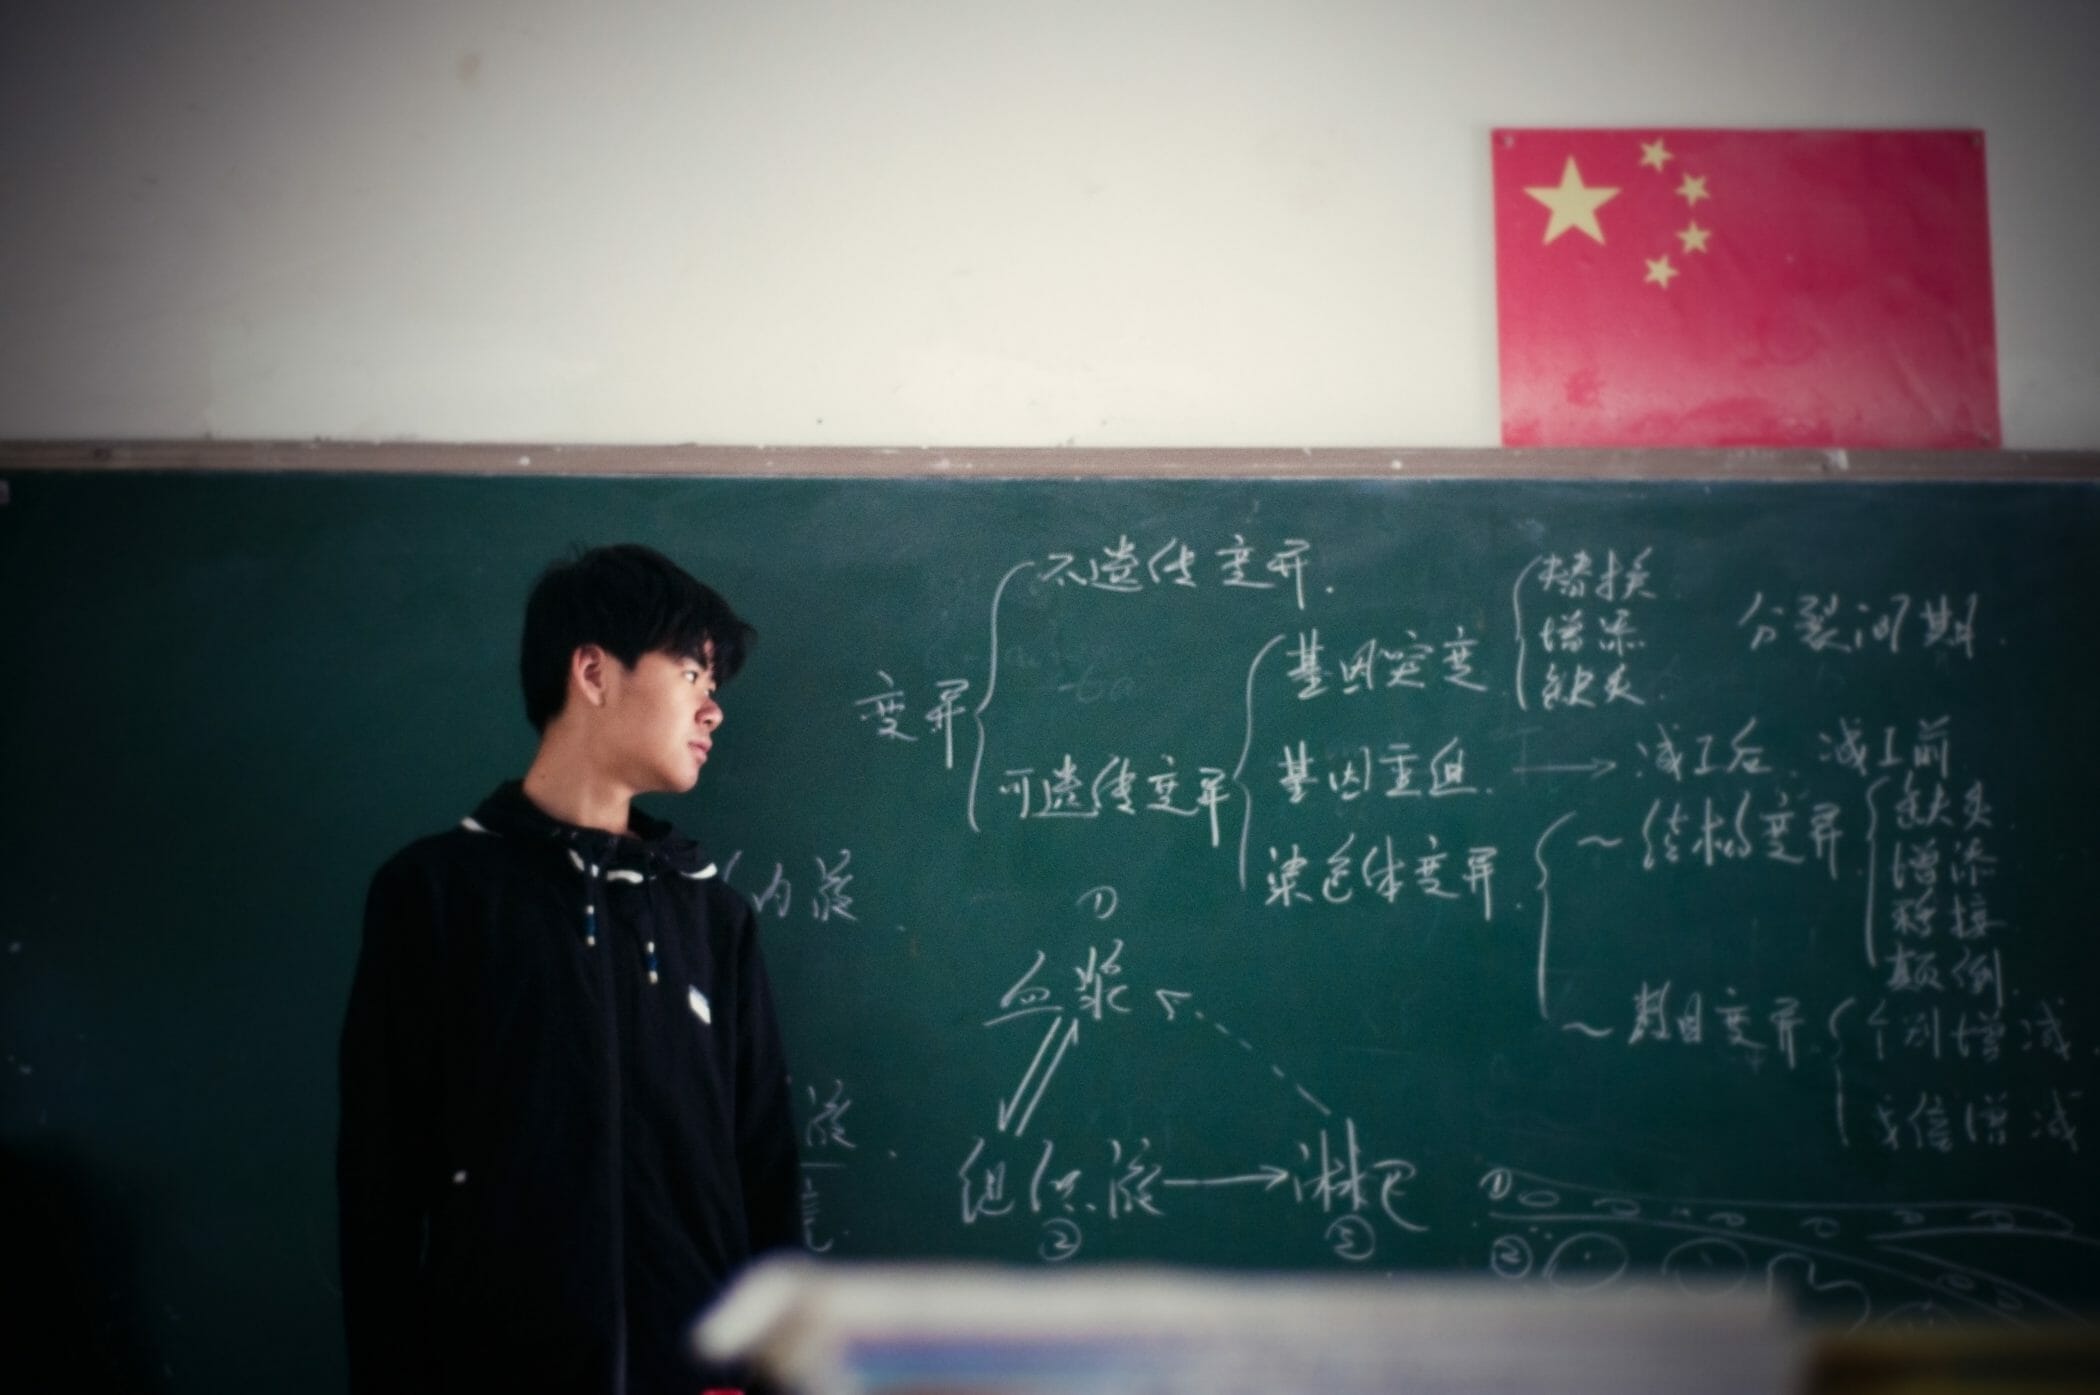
column 1737, row 288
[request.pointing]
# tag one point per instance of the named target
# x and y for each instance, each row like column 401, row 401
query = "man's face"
column 661, row 720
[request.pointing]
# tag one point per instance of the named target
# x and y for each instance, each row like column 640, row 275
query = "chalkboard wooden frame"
column 1010, row 462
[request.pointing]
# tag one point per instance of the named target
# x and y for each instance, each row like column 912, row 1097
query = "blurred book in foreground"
column 2053, row 1358
column 894, row 1329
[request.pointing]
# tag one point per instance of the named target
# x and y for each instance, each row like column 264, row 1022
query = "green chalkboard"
column 1553, row 880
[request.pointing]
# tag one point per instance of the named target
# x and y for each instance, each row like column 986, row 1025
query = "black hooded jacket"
column 565, row 1116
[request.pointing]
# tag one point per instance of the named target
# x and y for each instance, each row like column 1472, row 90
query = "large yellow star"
column 1654, row 155
column 1659, row 272
column 1693, row 189
column 1574, row 204
column 1694, row 237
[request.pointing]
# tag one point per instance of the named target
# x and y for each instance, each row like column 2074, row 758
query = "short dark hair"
column 629, row 600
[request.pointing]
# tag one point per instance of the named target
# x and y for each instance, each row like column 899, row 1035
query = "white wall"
column 1199, row 222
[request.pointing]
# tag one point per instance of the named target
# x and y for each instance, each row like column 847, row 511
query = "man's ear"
column 587, row 673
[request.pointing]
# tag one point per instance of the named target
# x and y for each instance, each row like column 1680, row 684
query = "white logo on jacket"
column 697, row 1001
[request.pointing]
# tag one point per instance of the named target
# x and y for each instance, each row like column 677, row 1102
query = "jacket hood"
column 656, row 846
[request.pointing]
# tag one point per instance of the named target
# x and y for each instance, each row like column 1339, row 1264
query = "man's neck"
column 568, row 789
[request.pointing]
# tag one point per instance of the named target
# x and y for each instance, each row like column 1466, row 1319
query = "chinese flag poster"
column 1744, row 288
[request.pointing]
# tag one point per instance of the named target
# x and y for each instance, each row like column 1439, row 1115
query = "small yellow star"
column 1654, row 155
column 1574, row 203
column 1693, row 189
column 1694, row 237
column 1659, row 272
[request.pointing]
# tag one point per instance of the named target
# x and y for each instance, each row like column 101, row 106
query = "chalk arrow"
column 1270, row 1177
column 1007, row 1107
column 1168, row 998
column 1596, row 769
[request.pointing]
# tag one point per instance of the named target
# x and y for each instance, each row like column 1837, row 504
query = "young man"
column 564, row 1105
